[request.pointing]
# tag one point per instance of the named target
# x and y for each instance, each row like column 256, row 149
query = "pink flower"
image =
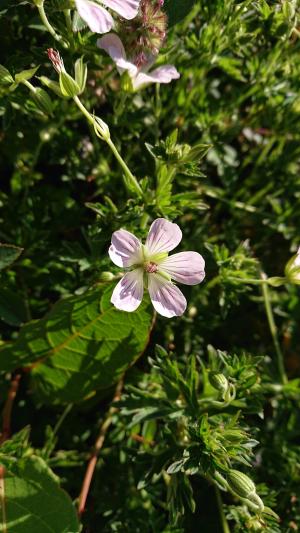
column 112, row 44
column 98, row 19
column 151, row 265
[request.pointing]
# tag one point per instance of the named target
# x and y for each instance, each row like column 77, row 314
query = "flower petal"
column 163, row 236
column 166, row 298
column 98, row 19
column 163, row 74
column 126, row 8
column 128, row 293
column 112, row 44
column 125, row 249
column 184, row 267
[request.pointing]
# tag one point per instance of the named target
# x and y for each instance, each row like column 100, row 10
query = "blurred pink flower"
column 140, row 76
column 98, row 19
column 151, row 265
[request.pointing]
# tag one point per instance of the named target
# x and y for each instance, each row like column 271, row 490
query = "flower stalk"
column 273, row 329
column 40, row 5
column 102, row 131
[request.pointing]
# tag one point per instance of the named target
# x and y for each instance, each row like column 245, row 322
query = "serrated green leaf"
column 84, row 344
column 33, row 501
column 8, row 254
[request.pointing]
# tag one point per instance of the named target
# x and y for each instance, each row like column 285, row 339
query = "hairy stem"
column 94, row 456
column 273, row 329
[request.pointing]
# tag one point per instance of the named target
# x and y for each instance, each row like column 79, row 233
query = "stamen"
column 150, row 267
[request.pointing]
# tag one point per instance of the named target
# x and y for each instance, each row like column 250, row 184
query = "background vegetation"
column 218, row 152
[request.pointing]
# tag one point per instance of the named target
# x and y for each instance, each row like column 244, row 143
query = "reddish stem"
column 94, row 456
column 6, row 416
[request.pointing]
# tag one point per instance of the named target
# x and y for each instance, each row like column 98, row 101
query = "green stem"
column 273, row 329
column 29, row 85
column 224, row 522
column 62, row 418
column 131, row 179
column 124, row 166
column 48, row 26
column 249, row 281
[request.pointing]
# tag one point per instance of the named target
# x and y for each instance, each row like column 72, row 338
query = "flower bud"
column 68, row 86
column 42, row 100
column 276, row 281
column 106, row 276
column 292, row 269
column 101, row 128
column 243, row 486
column 80, row 73
column 218, row 381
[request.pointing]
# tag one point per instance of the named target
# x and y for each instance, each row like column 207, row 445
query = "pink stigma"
column 151, row 268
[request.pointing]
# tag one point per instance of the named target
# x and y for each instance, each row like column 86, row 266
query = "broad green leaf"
column 32, row 501
column 8, row 254
column 84, row 344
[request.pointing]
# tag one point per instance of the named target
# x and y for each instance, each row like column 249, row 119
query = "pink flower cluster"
column 151, row 267
column 99, row 20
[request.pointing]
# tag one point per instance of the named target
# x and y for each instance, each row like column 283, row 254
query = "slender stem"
column 29, row 85
column 2, row 499
column 48, row 25
column 113, row 148
column 6, row 417
column 273, row 329
column 94, row 456
column 224, row 522
column 62, row 418
column 124, row 166
column 250, row 281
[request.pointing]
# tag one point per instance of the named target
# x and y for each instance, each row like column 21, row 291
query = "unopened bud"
column 42, row 100
column 218, row 381
column 101, row 128
column 80, row 74
column 68, row 85
column 106, row 276
column 244, row 487
column 56, row 60
column 241, row 484
column 292, row 269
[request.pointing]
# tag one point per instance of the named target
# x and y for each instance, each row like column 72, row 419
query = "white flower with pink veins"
column 140, row 76
column 98, row 19
column 152, row 267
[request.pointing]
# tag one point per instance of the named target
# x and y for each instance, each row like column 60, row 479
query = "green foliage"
column 8, row 254
column 84, row 344
column 216, row 151
column 34, row 500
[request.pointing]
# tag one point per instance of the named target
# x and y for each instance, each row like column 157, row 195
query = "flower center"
column 150, row 267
